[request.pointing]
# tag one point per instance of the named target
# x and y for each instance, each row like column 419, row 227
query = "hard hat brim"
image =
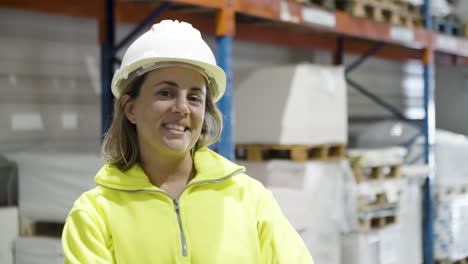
column 215, row 73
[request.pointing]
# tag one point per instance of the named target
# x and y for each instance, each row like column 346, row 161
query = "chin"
column 178, row 148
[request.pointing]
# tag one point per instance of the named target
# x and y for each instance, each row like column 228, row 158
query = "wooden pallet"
column 376, row 173
column 409, row 14
column 48, row 229
column 376, row 10
column 448, row 26
column 462, row 261
column 328, row 4
column 298, row 153
column 376, row 222
column 394, row 12
column 451, row 191
column 374, row 202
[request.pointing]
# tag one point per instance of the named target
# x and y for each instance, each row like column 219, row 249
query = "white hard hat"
column 166, row 43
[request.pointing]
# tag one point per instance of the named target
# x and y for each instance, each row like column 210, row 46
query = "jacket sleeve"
column 279, row 241
column 84, row 238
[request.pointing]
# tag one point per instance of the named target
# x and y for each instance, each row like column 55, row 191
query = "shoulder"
column 253, row 187
column 89, row 202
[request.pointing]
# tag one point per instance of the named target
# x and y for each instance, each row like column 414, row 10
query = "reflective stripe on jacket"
column 222, row 217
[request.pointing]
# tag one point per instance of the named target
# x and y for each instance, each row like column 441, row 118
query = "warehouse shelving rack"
column 278, row 22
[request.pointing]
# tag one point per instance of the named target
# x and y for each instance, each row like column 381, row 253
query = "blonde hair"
column 120, row 144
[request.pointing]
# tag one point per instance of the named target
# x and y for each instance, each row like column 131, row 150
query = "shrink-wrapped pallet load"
column 451, row 158
column 451, row 229
column 9, row 229
column 38, row 250
column 410, row 214
column 50, row 183
column 440, row 8
column 376, row 247
column 293, row 104
column 315, row 196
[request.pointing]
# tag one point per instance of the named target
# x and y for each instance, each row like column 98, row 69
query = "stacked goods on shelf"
column 397, row 12
column 379, row 246
column 291, row 133
column 448, row 25
column 390, row 244
column 451, row 230
column 450, row 152
column 315, row 197
column 440, row 8
column 380, row 190
column 48, row 186
column 302, row 106
column 329, row 4
column 410, row 214
column 8, row 232
column 444, row 20
column 460, row 10
column 450, row 225
column 379, row 184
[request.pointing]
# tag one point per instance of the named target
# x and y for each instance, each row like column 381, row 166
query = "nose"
column 181, row 105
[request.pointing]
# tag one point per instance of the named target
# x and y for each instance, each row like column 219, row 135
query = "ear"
column 129, row 108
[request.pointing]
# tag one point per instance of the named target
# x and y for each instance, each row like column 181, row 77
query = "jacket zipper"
column 176, row 203
column 182, row 235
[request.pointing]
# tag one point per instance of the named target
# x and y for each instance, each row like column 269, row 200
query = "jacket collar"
column 210, row 166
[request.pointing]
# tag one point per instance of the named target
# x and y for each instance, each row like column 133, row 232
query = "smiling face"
column 169, row 111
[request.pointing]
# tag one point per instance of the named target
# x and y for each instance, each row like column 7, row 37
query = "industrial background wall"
column 49, row 71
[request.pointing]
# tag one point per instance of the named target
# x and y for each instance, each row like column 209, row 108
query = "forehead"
column 181, row 75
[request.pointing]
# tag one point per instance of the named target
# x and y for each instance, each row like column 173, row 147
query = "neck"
column 165, row 169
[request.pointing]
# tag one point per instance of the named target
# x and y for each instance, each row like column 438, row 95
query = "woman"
column 163, row 196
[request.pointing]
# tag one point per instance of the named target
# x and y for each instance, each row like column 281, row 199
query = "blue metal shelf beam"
column 107, row 67
column 378, row 47
column 429, row 133
column 358, row 62
column 225, row 144
column 395, row 111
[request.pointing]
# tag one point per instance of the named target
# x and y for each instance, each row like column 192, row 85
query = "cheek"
column 198, row 116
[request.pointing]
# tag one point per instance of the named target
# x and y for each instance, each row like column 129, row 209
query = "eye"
column 195, row 98
column 165, row 93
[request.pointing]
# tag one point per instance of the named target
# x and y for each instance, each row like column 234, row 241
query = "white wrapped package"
column 391, row 187
column 410, row 219
column 440, row 8
column 461, row 10
column 376, row 247
column 38, row 250
column 50, row 183
column 377, row 157
column 415, row 2
column 451, row 155
column 270, row 104
column 451, row 229
column 305, row 191
column 9, row 230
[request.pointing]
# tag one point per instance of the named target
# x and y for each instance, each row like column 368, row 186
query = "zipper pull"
column 176, row 204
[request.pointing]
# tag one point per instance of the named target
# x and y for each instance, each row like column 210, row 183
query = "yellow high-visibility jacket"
column 222, row 217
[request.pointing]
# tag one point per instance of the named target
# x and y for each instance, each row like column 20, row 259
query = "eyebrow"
column 171, row 83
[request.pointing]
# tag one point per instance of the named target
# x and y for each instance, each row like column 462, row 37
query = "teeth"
column 176, row 127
